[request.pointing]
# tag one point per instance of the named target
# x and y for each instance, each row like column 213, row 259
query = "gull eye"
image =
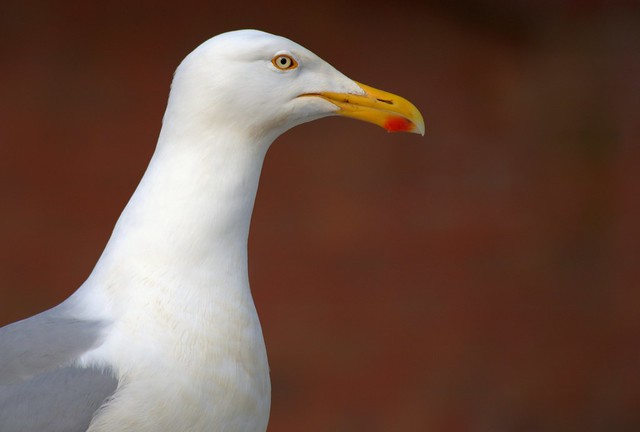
column 284, row 62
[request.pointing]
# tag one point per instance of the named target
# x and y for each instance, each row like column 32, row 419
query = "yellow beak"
column 394, row 113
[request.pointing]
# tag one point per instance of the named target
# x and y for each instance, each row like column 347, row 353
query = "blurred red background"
column 482, row 278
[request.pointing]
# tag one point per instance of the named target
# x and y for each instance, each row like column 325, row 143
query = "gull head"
column 263, row 85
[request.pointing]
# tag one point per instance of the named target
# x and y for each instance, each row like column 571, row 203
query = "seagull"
column 164, row 334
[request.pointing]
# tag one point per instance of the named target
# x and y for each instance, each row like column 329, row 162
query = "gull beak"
column 394, row 113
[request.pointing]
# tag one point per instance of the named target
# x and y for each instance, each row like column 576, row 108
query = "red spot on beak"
column 398, row 124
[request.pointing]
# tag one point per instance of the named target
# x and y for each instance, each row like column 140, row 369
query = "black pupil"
column 283, row 61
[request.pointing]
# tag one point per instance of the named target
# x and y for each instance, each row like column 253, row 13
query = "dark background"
column 482, row 278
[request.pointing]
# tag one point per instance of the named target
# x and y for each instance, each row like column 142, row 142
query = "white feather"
column 178, row 327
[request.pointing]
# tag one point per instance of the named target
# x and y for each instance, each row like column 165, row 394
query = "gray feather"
column 44, row 342
column 61, row 400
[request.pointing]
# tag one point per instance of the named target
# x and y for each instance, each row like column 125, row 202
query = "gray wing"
column 61, row 400
column 40, row 389
column 46, row 341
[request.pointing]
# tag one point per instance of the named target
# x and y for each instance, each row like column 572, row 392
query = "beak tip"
column 403, row 124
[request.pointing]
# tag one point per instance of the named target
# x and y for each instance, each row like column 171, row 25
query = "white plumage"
column 164, row 335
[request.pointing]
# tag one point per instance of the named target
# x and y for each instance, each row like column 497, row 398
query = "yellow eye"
column 284, row 62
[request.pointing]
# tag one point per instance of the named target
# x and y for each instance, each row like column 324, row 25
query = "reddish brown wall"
column 482, row 278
